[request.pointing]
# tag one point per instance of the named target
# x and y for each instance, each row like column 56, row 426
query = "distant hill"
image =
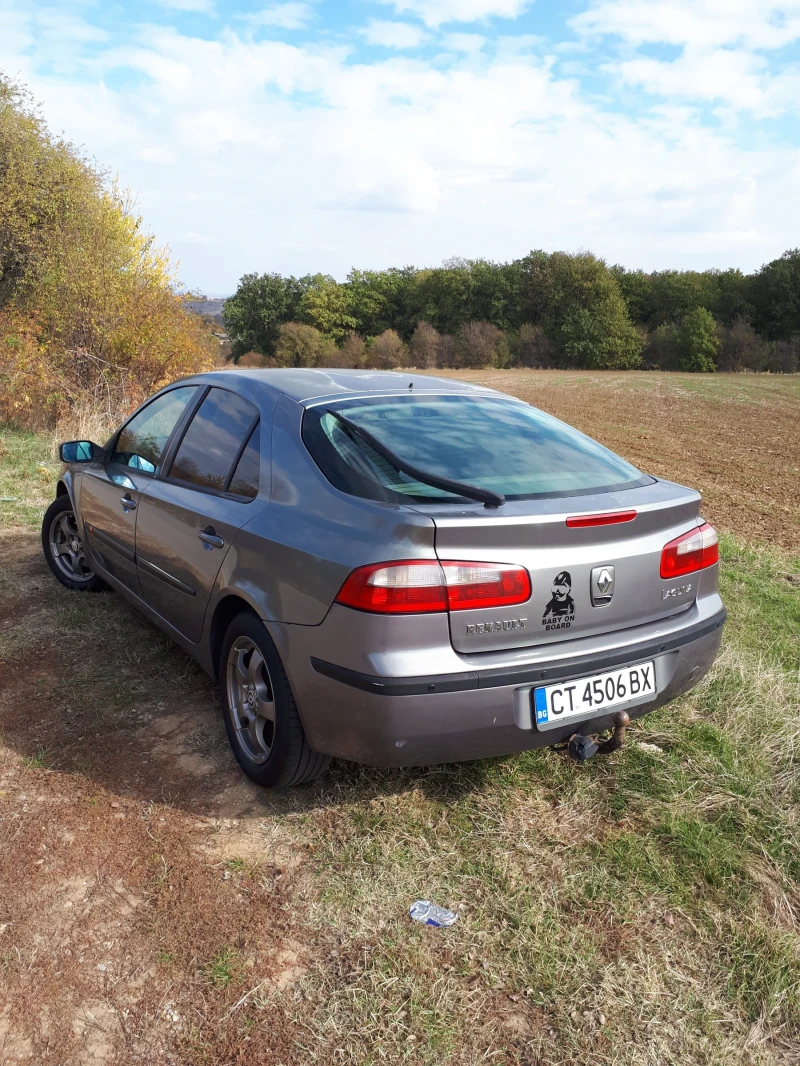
column 208, row 306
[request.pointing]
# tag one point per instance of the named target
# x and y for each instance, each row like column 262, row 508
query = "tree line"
column 545, row 310
column 90, row 322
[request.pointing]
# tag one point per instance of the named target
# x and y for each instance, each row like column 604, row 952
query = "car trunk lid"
column 584, row 580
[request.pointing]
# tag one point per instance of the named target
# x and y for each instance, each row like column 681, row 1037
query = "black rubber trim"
column 156, row 571
column 110, row 542
column 397, row 686
column 516, row 675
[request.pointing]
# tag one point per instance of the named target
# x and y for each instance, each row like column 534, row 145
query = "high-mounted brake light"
column 609, row 519
column 692, row 551
column 423, row 586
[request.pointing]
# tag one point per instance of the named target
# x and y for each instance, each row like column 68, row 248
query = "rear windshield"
column 494, row 443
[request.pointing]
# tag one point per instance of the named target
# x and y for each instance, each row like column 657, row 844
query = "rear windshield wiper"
column 458, row 488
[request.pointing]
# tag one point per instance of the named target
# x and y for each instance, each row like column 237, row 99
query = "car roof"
column 307, row 386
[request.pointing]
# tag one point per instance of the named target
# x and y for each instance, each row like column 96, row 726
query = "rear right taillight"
column 423, row 586
column 692, row 551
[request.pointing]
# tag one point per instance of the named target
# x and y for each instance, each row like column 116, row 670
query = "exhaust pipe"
column 582, row 748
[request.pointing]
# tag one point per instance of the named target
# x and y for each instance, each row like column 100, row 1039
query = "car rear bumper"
column 473, row 714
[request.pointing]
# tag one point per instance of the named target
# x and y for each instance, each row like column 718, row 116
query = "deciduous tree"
column 424, row 346
column 254, row 314
column 387, row 351
column 699, row 342
column 577, row 301
column 776, row 295
column 530, row 347
column 351, row 354
column 90, row 311
column 302, row 345
column 482, row 344
column 325, row 304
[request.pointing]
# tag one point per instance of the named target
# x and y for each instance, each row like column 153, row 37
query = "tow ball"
column 582, row 748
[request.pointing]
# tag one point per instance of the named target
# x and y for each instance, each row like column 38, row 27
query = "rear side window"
column 214, row 439
column 245, row 477
column 141, row 442
column 494, row 443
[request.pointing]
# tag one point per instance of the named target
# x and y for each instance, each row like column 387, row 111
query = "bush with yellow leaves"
column 90, row 316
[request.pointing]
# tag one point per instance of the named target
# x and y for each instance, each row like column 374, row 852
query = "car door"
column 191, row 513
column 111, row 491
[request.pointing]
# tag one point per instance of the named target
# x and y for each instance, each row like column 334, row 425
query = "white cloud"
column 435, row 13
column 724, row 49
column 738, row 79
column 387, row 34
column 260, row 155
column 468, row 43
column 288, row 16
column 699, row 23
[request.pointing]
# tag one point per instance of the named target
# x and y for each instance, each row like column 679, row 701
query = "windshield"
column 491, row 442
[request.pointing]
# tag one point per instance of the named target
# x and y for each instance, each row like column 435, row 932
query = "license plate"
column 589, row 695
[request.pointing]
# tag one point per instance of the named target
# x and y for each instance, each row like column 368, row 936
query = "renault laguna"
column 392, row 568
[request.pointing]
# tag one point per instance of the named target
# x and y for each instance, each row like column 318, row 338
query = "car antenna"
column 411, row 385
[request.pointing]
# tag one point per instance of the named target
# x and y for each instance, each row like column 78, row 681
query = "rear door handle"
column 210, row 538
column 127, row 503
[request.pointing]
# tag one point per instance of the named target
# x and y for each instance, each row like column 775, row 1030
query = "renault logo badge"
column 602, row 585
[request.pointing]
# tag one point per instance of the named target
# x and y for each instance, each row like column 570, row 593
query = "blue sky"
column 312, row 135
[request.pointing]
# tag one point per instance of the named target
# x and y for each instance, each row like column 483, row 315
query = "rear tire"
column 63, row 548
column 261, row 717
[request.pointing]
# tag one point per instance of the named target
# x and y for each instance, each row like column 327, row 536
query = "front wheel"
column 260, row 714
column 63, row 547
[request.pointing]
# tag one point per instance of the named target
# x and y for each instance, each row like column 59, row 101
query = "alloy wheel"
column 67, row 548
column 251, row 699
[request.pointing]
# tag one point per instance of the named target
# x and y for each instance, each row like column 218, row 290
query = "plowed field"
column 734, row 437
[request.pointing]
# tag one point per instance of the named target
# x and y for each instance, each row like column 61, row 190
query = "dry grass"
column 155, row 908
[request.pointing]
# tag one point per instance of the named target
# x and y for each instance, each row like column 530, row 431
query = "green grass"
column 645, row 885
column 28, row 471
column 223, row 968
column 37, row 761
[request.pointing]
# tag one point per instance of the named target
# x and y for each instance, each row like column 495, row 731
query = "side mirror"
column 80, row 451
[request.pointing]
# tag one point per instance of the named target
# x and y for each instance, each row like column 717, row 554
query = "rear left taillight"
column 423, row 586
column 471, row 585
column 692, row 551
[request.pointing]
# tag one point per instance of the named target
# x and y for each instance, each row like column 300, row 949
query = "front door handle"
column 127, row 503
column 210, row 539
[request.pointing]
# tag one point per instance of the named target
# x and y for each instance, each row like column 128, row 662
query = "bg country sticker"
column 560, row 611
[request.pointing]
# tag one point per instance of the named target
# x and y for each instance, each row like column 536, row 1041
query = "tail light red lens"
column 413, row 587
column 471, row 585
column 422, row 586
column 692, row 551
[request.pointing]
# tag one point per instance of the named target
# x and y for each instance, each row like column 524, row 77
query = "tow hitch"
column 582, row 748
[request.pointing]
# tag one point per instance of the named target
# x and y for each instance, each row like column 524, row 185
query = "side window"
column 141, row 443
column 212, row 441
column 245, row 477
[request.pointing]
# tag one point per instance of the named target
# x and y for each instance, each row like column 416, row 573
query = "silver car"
column 392, row 568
